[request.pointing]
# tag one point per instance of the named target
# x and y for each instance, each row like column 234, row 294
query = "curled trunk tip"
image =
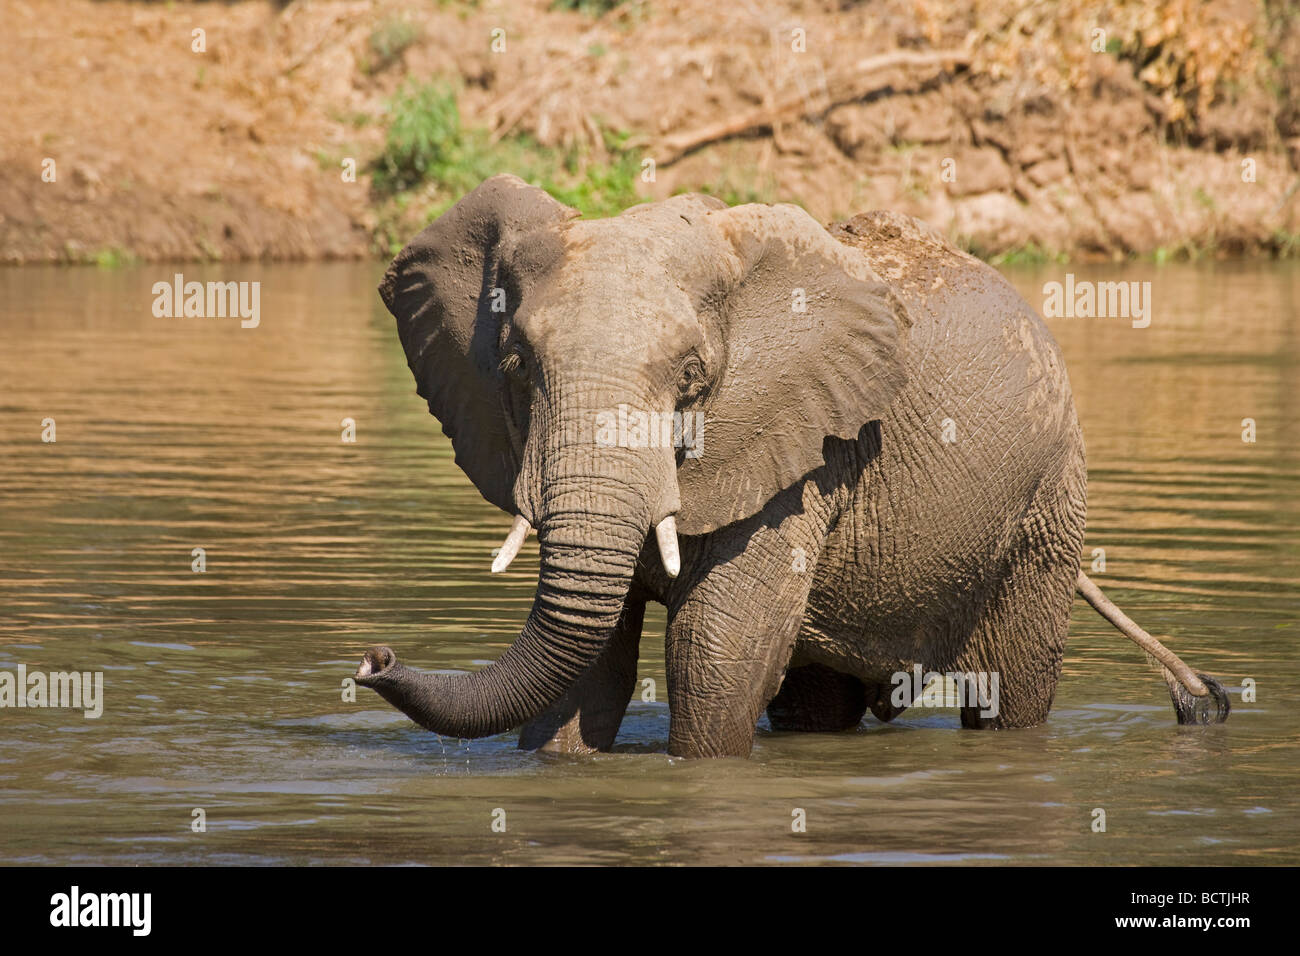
column 377, row 662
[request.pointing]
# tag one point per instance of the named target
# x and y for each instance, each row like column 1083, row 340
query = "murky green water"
column 223, row 689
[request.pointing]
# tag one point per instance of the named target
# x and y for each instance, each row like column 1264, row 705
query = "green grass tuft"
column 592, row 8
column 430, row 160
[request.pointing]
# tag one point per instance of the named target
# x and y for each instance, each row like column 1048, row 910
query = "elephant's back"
column 984, row 429
column 966, row 320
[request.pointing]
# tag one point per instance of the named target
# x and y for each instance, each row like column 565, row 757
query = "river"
column 225, row 737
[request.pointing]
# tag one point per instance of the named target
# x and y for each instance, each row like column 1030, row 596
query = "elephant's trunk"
column 591, row 531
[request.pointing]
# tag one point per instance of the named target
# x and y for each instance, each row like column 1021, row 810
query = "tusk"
column 666, row 535
column 510, row 547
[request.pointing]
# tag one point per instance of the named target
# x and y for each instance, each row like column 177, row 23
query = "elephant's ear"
column 449, row 296
column 811, row 340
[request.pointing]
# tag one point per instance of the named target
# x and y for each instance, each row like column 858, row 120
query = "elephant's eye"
column 513, row 365
column 691, row 379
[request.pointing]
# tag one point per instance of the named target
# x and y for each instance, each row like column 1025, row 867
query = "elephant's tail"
column 1198, row 698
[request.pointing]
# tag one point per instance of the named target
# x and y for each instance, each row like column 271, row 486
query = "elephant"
column 834, row 454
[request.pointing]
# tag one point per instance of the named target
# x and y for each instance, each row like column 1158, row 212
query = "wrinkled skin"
column 894, row 475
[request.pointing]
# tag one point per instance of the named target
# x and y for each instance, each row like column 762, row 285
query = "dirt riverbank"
column 1163, row 128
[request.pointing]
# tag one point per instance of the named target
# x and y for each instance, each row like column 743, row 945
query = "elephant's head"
column 527, row 329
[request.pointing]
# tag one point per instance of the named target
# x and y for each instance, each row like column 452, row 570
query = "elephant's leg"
column 731, row 637
column 1019, row 641
column 881, row 699
column 586, row 719
column 816, row 699
column 1020, row 633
